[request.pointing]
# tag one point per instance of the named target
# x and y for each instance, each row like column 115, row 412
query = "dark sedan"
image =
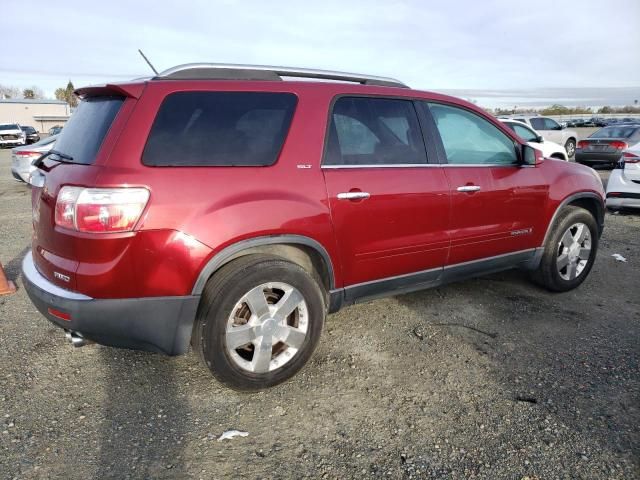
column 606, row 145
column 31, row 134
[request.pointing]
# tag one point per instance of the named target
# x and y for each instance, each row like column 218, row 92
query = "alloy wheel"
column 574, row 251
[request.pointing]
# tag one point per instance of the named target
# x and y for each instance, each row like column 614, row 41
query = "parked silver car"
column 22, row 158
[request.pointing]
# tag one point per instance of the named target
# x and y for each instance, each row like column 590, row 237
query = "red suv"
column 222, row 207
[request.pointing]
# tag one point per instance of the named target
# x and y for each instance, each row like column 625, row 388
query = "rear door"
column 389, row 205
column 495, row 201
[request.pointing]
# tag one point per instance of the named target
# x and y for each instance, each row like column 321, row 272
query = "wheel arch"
column 590, row 201
column 299, row 249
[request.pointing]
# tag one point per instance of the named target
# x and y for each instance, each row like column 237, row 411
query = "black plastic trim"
column 567, row 201
column 526, row 259
column 624, row 195
column 220, row 258
column 157, row 324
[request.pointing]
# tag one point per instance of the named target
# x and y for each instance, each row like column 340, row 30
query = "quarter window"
column 374, row 131
column 471, row 140
column 219, row 129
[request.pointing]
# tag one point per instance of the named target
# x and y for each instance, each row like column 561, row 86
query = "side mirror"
column 540, row 139
column 531, row 156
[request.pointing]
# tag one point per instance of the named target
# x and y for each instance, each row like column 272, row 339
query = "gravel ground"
column 489, row 378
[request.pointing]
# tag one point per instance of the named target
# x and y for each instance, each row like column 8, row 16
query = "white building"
column 38, row 113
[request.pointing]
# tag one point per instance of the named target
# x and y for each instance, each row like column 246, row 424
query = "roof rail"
column 222, row 71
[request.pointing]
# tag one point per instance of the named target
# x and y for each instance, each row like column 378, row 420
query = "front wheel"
column 570, row 147
column 569, row 252
column 259, row 322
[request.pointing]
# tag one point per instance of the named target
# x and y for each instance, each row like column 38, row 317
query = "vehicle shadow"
column 144, row 417
column 13, row 269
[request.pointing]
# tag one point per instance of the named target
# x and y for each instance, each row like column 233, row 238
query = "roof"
column 46, row 118
column 32, row 101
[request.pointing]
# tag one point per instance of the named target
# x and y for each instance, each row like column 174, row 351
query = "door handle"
column 353, row 196
column 468, row 188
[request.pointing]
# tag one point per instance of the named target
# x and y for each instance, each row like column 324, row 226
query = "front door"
column 496, row 202
column 548, row 128
column 389, row 206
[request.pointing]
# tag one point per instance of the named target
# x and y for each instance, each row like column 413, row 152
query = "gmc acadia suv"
column 222, row 207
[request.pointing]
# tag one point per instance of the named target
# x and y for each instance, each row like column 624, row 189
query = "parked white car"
column 623, row 187
column 551, row 130
column 11, row 135
column 535, row 140
column 22, row 158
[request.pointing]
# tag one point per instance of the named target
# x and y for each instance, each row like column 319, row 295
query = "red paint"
column 415, row 219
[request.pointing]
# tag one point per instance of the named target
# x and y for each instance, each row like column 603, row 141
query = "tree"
column 32, row 92
column 67, row 95
column 8, row 91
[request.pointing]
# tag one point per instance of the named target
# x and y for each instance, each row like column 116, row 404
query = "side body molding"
column 221, row 257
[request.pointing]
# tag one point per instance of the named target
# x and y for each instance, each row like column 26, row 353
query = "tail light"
column 629, row 157
column 618, row 145
column 31, row 155
column 105, row 210
column 583, row 144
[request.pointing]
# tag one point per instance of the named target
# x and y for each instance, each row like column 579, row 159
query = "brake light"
column 28, row 154
column 104, row 210
column 629, row 157
column 618, row 145
column 583, row 144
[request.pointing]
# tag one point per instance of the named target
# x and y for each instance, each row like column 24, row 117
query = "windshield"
column 9, row 126
column 614, row 132
column 83, row 134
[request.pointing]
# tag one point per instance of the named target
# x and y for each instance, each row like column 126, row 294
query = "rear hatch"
column 77, row 159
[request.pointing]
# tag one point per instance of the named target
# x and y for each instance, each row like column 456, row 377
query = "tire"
column 570, row 147
column 239, row 305
column 559, row 249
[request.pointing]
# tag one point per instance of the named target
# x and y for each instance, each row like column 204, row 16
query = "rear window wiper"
column 64, row 158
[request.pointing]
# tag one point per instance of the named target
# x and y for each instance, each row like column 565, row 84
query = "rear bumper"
column 597, row 157
column 158, row 324
column 624, row 200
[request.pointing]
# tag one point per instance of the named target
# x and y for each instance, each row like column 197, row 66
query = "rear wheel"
column 570, row 147
column 569, row 252
column 259, row 322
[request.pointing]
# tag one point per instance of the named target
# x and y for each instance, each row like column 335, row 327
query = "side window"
column 551, row 124
column 374, row 131
column 538, row 124
column 523, row 132
column 219, row 129
column 470, row 139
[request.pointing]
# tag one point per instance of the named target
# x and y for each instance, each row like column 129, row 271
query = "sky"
column 498, row 53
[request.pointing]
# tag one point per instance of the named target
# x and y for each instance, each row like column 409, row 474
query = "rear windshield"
column 10, row 126
column 219, row 129
column 614, row 132
column 83, row 134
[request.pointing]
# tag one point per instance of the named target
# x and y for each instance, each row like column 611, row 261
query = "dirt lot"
column 490, row 378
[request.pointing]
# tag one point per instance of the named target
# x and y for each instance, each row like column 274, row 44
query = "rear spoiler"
column 133, row 90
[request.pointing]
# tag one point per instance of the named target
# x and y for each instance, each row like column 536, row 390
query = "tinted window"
column 219, row 129
column 538, row 123
column 523, row 132
column 374, row 131
column 614, row 132
column 10, row 126
column 469, row 139
column 84, row 132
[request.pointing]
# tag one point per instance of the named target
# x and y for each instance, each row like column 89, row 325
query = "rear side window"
column 614, row 132
column 374, row 131
column 84, row 132
column 469, row 139
column 219, row 129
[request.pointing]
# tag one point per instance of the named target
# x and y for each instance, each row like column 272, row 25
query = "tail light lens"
column 618, row 145
column 583, row 144
column 31, row 155
column 629, row 157
column 105, row 210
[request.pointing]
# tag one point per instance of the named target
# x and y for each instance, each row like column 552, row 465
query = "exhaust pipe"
column 76, row 339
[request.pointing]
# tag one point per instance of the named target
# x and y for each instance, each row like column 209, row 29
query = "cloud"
column 429, row 45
